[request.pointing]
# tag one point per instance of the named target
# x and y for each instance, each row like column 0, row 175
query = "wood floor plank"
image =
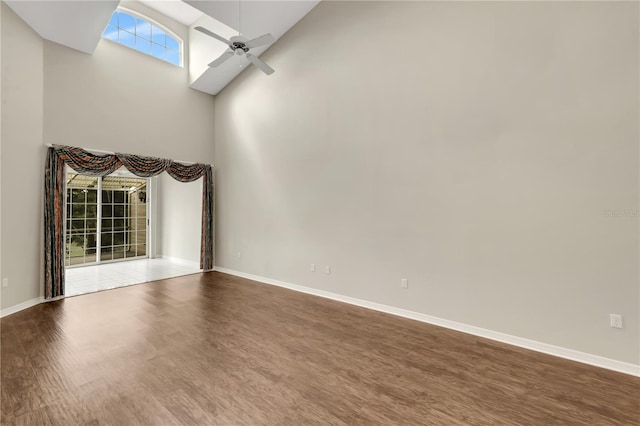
column 213, row 349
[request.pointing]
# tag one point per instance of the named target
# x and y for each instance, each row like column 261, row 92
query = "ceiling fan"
column 238, row 45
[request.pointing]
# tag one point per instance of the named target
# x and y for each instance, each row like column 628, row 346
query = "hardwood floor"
column 215, row 349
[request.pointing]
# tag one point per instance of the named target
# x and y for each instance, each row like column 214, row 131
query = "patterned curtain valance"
column 145, row 166
column 87, row 163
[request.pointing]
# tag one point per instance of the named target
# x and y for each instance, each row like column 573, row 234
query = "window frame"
column 151, row 22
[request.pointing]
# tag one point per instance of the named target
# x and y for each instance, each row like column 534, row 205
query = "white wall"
column 116, row 100
column 179, row 219
column 22, row 164
column 471, row 147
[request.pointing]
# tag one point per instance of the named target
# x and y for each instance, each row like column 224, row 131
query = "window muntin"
column 145, row 36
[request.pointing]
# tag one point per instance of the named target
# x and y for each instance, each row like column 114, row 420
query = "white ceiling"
column 75, row 24
column 176, row 9
column 79, row 25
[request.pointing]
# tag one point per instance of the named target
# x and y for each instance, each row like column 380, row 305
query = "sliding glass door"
column 106, row 218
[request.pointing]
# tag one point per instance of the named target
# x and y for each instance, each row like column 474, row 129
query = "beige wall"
column 120, row 100
column 116, row 100
column 22, row 164
column 1, row 98
column 179, row 222
column 472, row 148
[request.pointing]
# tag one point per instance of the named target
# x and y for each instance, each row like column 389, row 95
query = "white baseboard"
column 583, row 357
column 20, row 306
column 179, row 261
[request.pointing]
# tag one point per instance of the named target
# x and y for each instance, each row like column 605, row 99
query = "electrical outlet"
column 5, row 282
column 313, row 267
column 615, row 320
column 404, row 283
column 327, row 269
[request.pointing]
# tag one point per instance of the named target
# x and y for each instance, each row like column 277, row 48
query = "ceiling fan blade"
column 260, row 41
column 258, row 63
column 226, row 55
column 214, row 35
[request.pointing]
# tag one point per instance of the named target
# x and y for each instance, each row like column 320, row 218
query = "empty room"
column 319, row 212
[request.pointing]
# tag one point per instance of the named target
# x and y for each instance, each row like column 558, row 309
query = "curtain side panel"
column 206, row 245
column 53, row 226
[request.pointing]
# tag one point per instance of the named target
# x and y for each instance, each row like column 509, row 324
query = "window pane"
column 172, row 43
column 78, row 210
column 143, row 29
column 118, row 252
column 92, row 196
column 107, row 211
column 143, row 45
column 118, row 211
column 118, row 238
column 91, row 242
column 158, row 51
column 77, row 225
column 78, row 196
column 158, row 36
column 91, row 225
column 107, row 224
column 126, row 38
column 118, row 224
column 173, row 57
column 92, row 211
column 107, row 197
column 105, row 239
column 105, row 254
column 118, row 196
column 114, row 19
column 110, row 33
column 141, row 250
column 90, row 257
column 126, row 22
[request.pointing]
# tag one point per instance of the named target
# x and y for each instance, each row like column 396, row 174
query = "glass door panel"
column 112, row 208
column 81, row 221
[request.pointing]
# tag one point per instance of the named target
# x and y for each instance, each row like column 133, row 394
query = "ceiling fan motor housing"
column 238, row 47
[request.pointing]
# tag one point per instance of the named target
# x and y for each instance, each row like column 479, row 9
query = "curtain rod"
column 100, row 151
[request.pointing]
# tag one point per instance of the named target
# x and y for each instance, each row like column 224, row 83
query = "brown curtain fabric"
column 206, row 236
column 144, row 166
column 183, row 173
column 85, row 162
column 53, row 230
column 101, row 165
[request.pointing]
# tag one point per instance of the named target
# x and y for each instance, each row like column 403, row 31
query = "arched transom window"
column 144, row 35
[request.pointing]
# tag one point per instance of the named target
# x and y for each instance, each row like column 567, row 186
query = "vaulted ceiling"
column 79, row 25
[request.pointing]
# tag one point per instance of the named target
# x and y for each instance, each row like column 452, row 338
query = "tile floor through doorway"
column 87, row 279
